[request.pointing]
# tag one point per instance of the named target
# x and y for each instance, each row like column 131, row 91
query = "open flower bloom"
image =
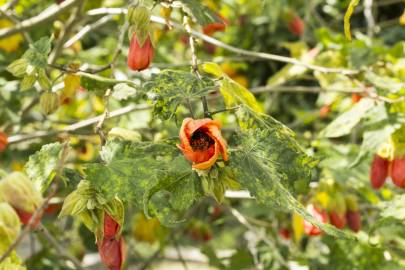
column 201, row 142
column 139, row 57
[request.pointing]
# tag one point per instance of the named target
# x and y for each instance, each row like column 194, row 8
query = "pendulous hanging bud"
column 17, row 190
column 379, row 171
column 398, row 171
column 296, row 25
column 112, row 252
column 49, row 102
column 140, row 55
column 3, row 141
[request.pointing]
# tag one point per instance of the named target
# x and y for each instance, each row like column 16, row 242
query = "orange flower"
column 201, row 142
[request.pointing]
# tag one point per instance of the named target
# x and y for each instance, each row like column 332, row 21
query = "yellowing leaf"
column 213, row 69
column 72, row 84
column 12, row 43
column 233, row 93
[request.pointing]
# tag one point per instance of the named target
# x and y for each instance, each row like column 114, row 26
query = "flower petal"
column 199, row 123
column 215, row 133
column 208, row 164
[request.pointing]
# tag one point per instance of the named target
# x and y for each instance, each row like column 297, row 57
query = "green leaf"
column 234, row 94
column 200, row 13
column 348, row 15
column 42, row 166
column 37, row 54
column 378, row 130
column 343, row 124
column 123, row 91
column 290, row 71
column 151, row 176
column 95, row 83
column 278, row 153
column 394, row 208
column 170, row 88
column 42, row 46
column 266, row 174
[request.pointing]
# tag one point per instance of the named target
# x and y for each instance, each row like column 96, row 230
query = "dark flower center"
column 201, row 141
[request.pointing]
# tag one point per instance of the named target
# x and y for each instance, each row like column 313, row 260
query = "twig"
column 194, row 61
column 87, row 29
column 78, row 125
column 368, row 13
column 225, row 110
column 99, row 127
column 12, row 18
column 60, row 249
column 9, row 5
column 40, row 210
column 37, row 214
column 118, row 49
column 268, row 56
column 180, row 256
column 146, row 264
column 47, row 15
column 74, row 19
column 242, row 220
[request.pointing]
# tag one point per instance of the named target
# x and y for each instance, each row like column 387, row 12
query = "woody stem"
column 194, row 61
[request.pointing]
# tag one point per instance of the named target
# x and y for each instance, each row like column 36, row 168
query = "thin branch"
column 180, row 256
column 47, row 15
column 59, row 248
column 224, row 110
column 368, row 13
column 12, row 18
column 37, row 214
column 194, row 61
column 260, row 234
column 73, row 20
column 9, row 5
column 99, row 127
column 87, row 29
column 268, row 56
column 88, row 122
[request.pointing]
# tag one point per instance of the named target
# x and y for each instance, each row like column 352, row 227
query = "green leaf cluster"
column 168, row 89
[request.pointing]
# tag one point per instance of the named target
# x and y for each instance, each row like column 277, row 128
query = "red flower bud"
column 111, row 227
column 324, row 111
column 398, row 172
column 337, row 220
column 353, row 220
column 356, row 98
column 296, row 26
column 284, row 233
column 201, row 142
column 3, row 141
column 25, row 218
column 112, row 252
column 320, row 215
column 139, row 57
column 214, row 27
column 378, row 171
